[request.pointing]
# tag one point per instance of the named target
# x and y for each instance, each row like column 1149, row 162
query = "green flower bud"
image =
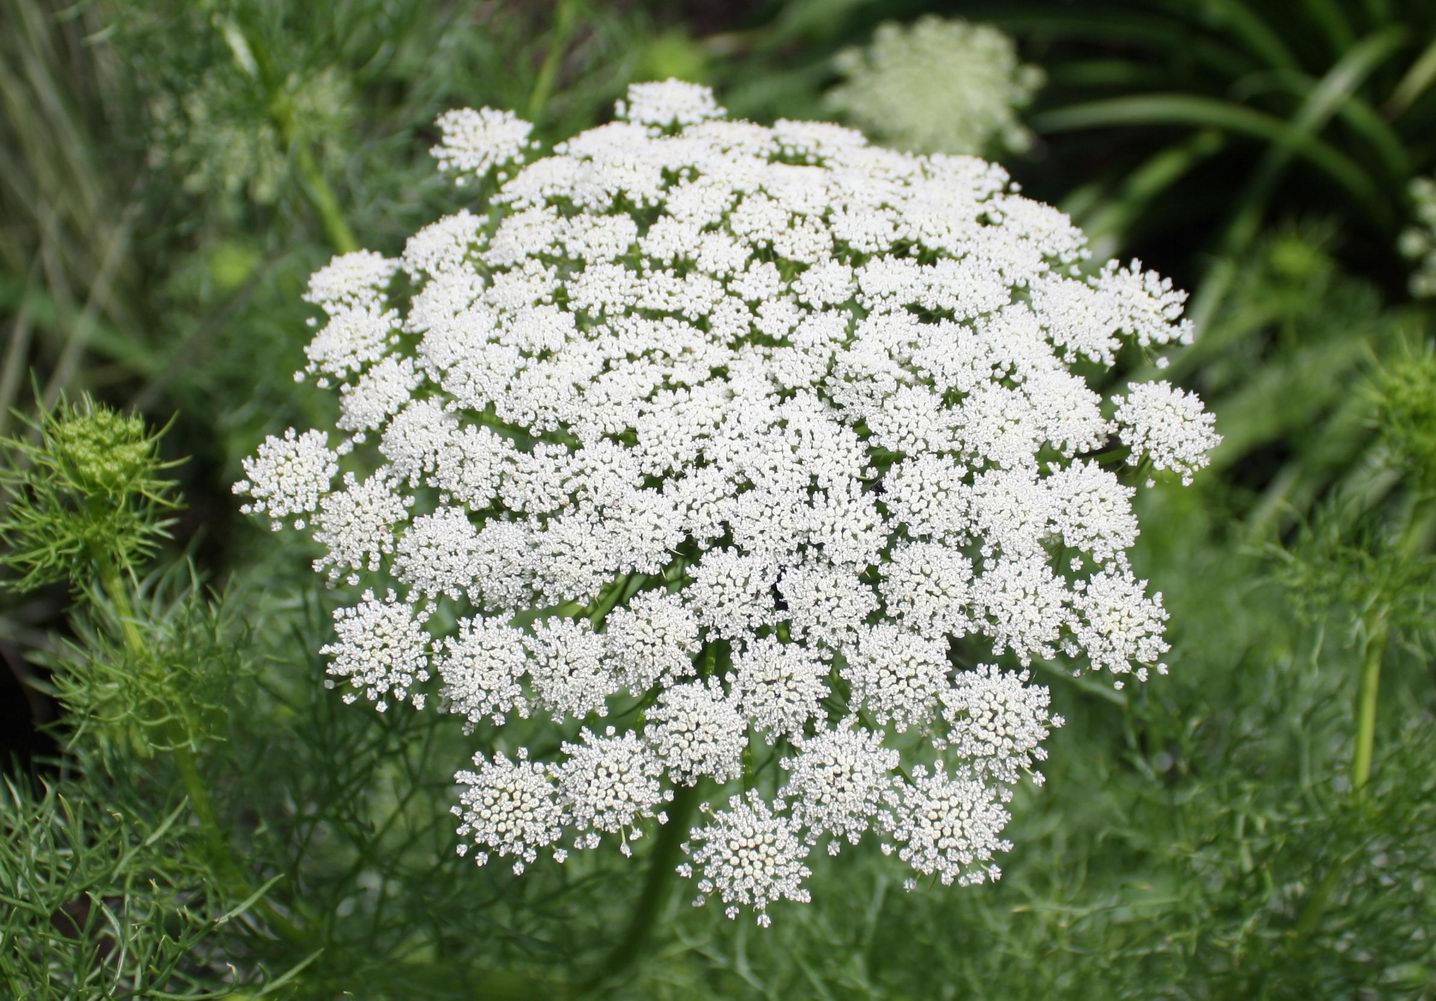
column 84, row 490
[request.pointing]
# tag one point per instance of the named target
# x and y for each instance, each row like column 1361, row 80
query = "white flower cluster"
column 937, row 86
column 1418, row 241
column 738, row 457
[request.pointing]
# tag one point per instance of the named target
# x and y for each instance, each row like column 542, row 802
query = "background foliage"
column 188, row 813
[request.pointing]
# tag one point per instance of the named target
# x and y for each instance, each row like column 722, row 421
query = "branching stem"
column 216, row 843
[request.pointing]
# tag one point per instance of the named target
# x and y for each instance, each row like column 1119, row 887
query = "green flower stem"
column 321, row 197
column 1366, row 700
column 1366, row 703
column 252, row 59
column 316, row 188
column 661, row 866
column 548, row 72
column 1377, row 630
column 114, row 589
column 195, row 789
column 607, row 602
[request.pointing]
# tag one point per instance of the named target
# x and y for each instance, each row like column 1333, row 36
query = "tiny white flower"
column 948, row 826
column 838, row 781
column 508, row 808
column 697, row 731
column 288, row 476
column 474, row 142
column 608, row 784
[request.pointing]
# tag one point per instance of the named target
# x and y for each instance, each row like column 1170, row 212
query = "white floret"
column 1167, row 426
column 748, row 857
column 288, row 476
column 697, row 732
column 475, row 141
column 948, row 826
column 381, row 650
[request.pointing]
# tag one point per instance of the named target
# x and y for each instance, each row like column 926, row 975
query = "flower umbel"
column 707, row 443
column 938, row 86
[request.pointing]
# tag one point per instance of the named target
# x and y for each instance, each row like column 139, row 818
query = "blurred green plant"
column 937, row 86
column 1337, row 96
column 1418, row 241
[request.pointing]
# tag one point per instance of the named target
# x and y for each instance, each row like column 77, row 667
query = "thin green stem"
column 548, row 72
column 215, row 841
column 114, row 589
column 1377, row 631
column 252, row 58
column 321, row 197
column 1366, row 699
column 661, row 866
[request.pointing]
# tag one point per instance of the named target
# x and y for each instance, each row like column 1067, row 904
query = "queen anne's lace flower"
column 838, row 780
column 381, row 649
column 608, row 784
column 474, row 142
column 725, row 451
column 482, row 667
column 948, row 826
column 287, row 477
column 996, row 721
column 508, row 808
column 937, row 86
column 697, row 731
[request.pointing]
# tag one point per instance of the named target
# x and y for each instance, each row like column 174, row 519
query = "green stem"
column 114, row 589
column 661, row 866
column 548, row 72
column 321, row 197
column 1366, row 698
column 237, row 885
column 252, row 58
column 607, row 602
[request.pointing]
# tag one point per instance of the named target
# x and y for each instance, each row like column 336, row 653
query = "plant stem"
column 216, row 843
column 321, row 196
column 1366, row 697
column 661, row 865
column 1366, row 703
column 548, row 72
column 252, row 58
column 315, row 187
column 114, row 589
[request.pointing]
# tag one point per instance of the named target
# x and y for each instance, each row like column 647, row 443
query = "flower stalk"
column 656, row 883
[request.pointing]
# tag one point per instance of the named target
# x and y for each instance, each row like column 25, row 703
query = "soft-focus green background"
column 170, row 173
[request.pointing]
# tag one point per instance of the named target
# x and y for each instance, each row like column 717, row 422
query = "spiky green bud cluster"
column 84, row 489
column 1405, row 394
